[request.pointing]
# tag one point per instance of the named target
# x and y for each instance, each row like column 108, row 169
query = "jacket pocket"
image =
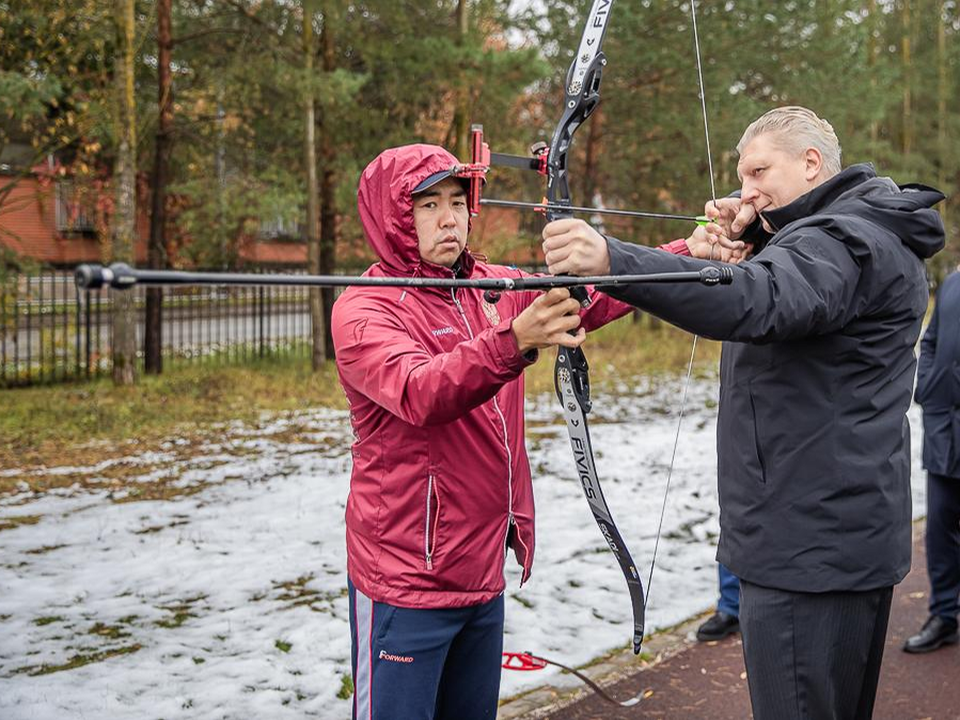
column 756, row 440
column 431, row 520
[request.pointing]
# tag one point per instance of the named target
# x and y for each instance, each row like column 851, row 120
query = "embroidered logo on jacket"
column 442, row 331
column 384, row 655
column 491, row 312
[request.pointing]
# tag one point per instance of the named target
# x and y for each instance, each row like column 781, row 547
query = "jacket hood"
column 386, row 209
column 905, row 210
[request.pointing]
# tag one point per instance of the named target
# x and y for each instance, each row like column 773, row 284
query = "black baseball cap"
column 431, row 180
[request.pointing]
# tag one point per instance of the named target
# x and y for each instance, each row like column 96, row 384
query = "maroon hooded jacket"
column 441, row 483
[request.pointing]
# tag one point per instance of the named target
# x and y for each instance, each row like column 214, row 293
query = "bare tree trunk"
column 329, row 229
column 460, row 121
column 943, row 93
column 318, row 353
column 156, row 247
column 329, row 232
column 907, row 80
column 873, row 26
column 125, row 212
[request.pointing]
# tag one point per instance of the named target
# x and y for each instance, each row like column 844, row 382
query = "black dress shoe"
column 936, row 633
column 718, row 627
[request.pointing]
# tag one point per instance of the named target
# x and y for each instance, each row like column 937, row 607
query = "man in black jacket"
column 938, row 392
column 815, row 381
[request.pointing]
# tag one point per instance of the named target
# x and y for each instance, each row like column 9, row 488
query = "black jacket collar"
column 820, row 197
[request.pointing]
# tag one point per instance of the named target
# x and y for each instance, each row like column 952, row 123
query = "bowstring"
column 693, row 350
column 703, row 100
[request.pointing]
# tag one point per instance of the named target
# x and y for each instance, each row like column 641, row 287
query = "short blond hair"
column 797, row 129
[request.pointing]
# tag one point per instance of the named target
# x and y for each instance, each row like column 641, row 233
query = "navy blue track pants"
column 419, row 664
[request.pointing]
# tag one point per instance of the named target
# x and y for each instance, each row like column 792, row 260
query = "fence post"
column 260, row 312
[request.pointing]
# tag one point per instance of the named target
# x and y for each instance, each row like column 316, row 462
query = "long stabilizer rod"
column 121, row 276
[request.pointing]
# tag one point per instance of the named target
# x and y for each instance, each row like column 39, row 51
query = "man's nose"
column 448, row 218
column 748, row 192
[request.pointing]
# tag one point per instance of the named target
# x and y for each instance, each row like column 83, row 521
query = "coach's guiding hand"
column 572, row 247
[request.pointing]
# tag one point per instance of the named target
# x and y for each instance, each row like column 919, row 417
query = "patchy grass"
column 180, row 612
column 158, row 528
column 176, row 620
column 283, row 646
column 15, row 521
column 523, row 601
column 295, row 593
column 115, row 478
column 346, row 687
column 41, row 621
column 79, row 660
column 83, row 424
column 79, row 424
column 108, row 631
column 44, row 549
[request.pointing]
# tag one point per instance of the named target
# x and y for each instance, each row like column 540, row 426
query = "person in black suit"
column 938, row 392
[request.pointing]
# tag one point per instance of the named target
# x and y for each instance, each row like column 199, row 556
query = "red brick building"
column 43, row 218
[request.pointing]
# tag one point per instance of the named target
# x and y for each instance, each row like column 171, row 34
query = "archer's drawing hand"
column 731, row 214
column 548, row 321
column 709, row 243
column 572, row 247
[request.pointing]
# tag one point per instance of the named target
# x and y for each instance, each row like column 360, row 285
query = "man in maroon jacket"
column 441, row 484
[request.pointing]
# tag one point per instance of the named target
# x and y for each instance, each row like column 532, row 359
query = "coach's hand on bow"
column 572, row 247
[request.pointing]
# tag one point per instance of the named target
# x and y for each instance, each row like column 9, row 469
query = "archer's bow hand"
column 551, row 319
column 708, row 242
column 733, row 215
column 572, row 247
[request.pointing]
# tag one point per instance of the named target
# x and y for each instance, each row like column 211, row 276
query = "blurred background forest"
column 231, row 133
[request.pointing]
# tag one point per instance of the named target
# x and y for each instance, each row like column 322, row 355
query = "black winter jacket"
column 938, row 383
column 815, row 380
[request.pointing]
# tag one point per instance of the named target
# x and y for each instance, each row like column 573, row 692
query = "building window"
column 73, row 213
column 283, row 228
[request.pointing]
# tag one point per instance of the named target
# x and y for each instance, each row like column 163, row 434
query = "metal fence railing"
column 51, row 332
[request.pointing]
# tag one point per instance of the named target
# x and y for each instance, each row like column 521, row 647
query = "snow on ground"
column 229, row 601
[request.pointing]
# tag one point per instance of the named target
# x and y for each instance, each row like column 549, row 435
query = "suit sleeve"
column 804, row 285
column 926, row 363
column 378, row 357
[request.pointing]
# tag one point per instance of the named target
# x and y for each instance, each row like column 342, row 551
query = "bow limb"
column 571, row 372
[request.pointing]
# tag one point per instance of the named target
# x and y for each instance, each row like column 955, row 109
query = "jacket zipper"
column 430, row 543
column 511, row 520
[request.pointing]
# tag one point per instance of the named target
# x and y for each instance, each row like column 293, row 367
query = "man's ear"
column 814, row 163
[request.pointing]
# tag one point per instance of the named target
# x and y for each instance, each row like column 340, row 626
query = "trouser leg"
column 813, row 656
column 943, row 544
column 729, row 601
column 470, row 685
column 398, row 657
